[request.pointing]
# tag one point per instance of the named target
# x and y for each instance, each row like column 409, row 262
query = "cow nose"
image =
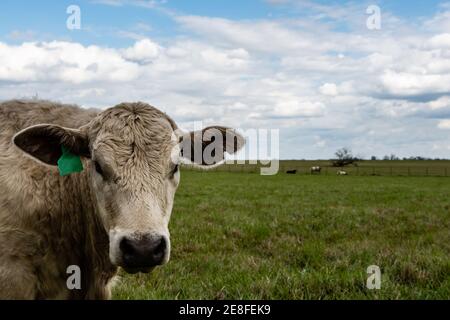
column 147, row 251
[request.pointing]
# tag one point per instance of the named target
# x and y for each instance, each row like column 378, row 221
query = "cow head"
column 132, row 156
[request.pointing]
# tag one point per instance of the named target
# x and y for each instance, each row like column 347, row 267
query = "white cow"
column 315, row 169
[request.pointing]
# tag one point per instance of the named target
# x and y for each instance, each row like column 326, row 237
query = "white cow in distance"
column 315, row 169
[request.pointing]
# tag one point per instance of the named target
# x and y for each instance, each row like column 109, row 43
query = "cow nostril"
column 159, row 251
column 127, row 247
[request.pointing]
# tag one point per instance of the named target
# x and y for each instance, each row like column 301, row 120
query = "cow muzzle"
column 141, row 253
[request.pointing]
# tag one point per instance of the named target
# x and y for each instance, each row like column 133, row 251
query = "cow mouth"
column 133, row 270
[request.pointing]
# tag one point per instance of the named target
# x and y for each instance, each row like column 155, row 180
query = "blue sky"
column 100, row 20
column 311, row 69
column 48, row 17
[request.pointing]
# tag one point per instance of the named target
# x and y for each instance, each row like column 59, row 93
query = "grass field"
column 246, row 236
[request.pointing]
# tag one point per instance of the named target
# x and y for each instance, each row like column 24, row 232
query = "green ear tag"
column 69, row 163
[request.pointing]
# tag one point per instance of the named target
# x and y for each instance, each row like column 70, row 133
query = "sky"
column 322, row 73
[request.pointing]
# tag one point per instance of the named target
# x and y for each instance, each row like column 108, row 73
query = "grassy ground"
column 246, row 236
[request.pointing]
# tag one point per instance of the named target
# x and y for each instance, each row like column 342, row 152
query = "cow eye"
column 98, row 168
column 174, row 170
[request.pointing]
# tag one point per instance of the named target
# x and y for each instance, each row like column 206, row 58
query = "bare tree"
column 344, row 157
column 393, row 157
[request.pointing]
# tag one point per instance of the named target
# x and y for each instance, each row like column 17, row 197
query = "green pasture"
column 246, row 236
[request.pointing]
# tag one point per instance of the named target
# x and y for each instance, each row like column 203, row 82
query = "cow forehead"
column 133, row 130
column 133, row 123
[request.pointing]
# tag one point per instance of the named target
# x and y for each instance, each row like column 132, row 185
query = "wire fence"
column 377, row 171
column 437, row 171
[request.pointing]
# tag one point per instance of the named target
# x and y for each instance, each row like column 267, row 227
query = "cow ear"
column 44, row 142
column 207, row 147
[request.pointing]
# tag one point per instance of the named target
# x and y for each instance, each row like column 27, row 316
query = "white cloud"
column 63, row 61
column 442, row 102
column 444, row 124
column 440, row 41
column 439, row 22
column 329, row 89
column 295, row 108
column 319, row 142
column 404, row 83
column 261, row 36
column 143, row 50
column 231, row 59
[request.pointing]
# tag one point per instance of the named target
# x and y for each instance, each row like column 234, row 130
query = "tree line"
column 344, row 157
